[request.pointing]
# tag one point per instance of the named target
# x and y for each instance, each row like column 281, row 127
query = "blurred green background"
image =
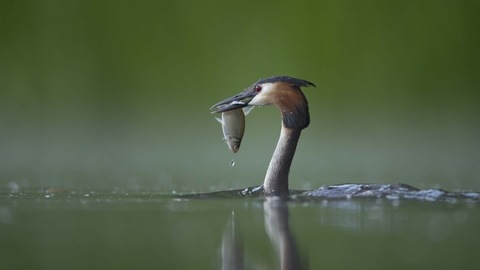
column 116, row 94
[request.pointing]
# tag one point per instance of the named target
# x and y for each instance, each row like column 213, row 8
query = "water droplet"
column 232, row 162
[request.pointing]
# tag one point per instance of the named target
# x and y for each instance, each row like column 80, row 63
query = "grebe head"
column 280, row 91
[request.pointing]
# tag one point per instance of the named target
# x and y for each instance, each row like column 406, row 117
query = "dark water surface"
column 60, row 229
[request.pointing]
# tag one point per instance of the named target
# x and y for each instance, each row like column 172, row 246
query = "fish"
column 233, row 127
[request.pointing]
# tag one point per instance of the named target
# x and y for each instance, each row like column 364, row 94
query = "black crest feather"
column 286, row 79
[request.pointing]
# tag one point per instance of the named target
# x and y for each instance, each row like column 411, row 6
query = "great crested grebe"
column 283, row 92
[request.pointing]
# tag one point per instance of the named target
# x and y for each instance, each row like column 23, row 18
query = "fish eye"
column 258, row 88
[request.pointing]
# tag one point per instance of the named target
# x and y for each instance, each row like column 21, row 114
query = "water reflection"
column 376, row 217
column 278, row 230
column 384, row 216
column 232, row 247
column 186, row 231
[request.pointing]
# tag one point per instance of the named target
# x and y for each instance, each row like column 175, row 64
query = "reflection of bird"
column 278, row 229
column 283, row 92
column 233, row 256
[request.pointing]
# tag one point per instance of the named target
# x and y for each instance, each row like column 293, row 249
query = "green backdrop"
column 116, row 94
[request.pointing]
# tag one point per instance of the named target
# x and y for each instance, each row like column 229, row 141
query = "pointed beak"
column 238, row 101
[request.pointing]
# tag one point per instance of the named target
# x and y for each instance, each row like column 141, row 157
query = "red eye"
column 258, row 88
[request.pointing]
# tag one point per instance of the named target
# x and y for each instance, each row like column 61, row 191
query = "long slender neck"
column 276, row 180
